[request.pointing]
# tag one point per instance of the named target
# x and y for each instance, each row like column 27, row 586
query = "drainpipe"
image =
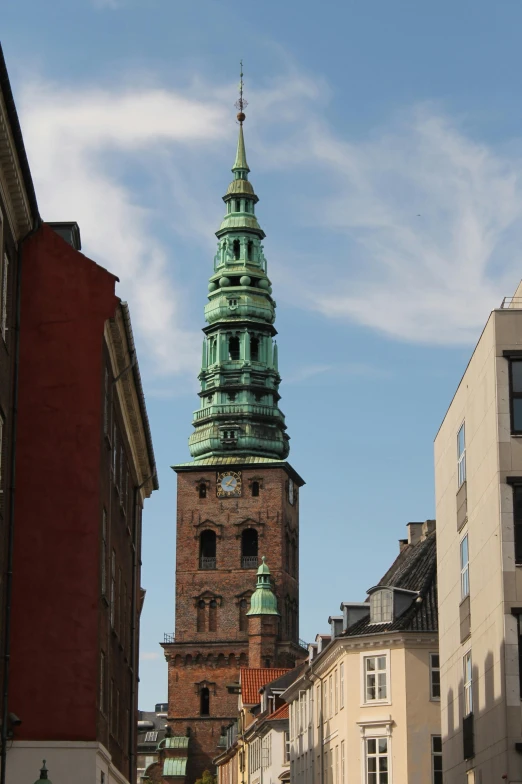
column 134, row 673
column 11, row 519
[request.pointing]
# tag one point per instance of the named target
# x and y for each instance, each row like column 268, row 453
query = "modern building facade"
column 238, row 497
column 18, row 217
column 366, row 710
column 478, row 483
column 151, row 732
column 85, row 465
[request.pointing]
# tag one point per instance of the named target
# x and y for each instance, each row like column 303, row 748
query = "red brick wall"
column 66, row 299
column 213, row 656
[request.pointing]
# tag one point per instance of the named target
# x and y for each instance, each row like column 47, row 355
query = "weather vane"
column 241, row 104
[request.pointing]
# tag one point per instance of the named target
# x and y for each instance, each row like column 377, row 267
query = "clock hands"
column 229, row 482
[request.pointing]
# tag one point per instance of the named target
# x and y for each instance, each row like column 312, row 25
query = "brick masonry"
column 208, row 659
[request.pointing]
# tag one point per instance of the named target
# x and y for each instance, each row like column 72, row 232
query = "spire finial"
column 241, row 104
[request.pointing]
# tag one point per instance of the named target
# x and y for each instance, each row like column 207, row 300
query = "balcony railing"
column 169, row 637
column 238, row 408
column 249, row 561
column 303, row 644
column 207, row 563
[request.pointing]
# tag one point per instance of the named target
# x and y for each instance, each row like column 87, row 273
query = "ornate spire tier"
column 239, row 413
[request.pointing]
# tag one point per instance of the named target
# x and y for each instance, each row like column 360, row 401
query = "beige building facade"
column 366, row 709
column 478, row 483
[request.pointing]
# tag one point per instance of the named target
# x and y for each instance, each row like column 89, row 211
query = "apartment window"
column 330, row 683
column 342, row 762
column 111, row 706
column 204, row 702
column 517, row 519
column 337, row 765
column 341, row 685
column 318, row 704
column 287, row 747
column 325, row 699
column 377, row 761
column 515, row 379
column 461, row 455
column 381, row 607
column 113, row 587
column 464, row 568
column 468, row 684
column 3, row 308
column 375, row 678
column 336, row 690
column 436, row 759
column 104, row 554
column 325, row 762
column 434, row 676
column 102, row 682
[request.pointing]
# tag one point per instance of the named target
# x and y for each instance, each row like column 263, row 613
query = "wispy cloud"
column 149, row 656
column 306, row 372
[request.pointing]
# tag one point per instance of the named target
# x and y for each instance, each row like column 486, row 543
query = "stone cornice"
column 14, row 193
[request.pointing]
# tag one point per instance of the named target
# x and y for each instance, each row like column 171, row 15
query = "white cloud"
column 149, row 656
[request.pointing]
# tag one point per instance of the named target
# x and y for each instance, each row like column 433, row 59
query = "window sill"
column 373, row 703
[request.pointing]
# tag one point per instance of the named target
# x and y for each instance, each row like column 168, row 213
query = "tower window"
column 204, row 702
column 202, row 490
column 238, row 205
column 233, row 348
column 250, row 250
column 249, row 548
column 236, row 247
column 255, row 489
column 201, row 616
column 207, row 550
column 254, row 349
column 212, row 616
column 213, row 351
column 243, row 620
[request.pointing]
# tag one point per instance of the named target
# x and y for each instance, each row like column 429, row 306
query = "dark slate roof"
column 414, row 569
column 286, row 680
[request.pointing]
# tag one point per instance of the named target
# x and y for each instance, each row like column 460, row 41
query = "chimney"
column 402, row 544
column 415, row 532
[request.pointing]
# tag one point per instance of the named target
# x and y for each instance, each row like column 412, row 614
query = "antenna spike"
column 241, row 104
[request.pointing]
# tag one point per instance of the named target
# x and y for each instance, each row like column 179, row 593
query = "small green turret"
column 263, row 600
column 43, row 775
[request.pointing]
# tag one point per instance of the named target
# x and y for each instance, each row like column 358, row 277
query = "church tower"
column 238, row 499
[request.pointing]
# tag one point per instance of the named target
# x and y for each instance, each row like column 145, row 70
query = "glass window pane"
column 381, row 663
column 372, row 748
column 372, row 764
column 383, row 745
column 383, row 764
column 382, row 687
column 464, row 552
column 516, row 375
column 461, row 441
column 370, row 665
column 372, row 778
column 383, row 778
column 435, row 660
column 517, row 413
column 437, row 743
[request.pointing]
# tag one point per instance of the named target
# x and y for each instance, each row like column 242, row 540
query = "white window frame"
column 467, row 671
column 375, row 729
column 336, row 690
column 331, row 695
column 464, row 569
column 325, row 700
column 375, row 655
column 286, row 753
column 461, row 456
column 318, row 699
column 377, row 755
column 341, row 685
column 435, row 755
column 342, row 762
column 381, row 606
column 433, row 669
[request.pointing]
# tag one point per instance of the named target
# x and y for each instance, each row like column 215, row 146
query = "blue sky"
column 386, row 148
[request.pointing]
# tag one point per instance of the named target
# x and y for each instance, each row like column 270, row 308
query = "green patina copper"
column 239, row 412
column 43, row 775
column 263, row 600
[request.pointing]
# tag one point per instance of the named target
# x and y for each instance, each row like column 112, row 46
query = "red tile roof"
column 253, row 678
column 280, row 713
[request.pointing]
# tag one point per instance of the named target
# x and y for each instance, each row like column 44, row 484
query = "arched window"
column 255, row 489
column 249, row 548
column 212, row 616
column 268, row 663
column 243, row 660
column 201, row 616
column 204, row 702
column 233, row 348
column 207, row 550
column 202, row 490
column 250, row 250
column 213, row 351
column 236, row 246
column 254, row 349
column 243, row 620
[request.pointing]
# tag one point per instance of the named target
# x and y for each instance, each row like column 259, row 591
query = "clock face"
column 229, row 484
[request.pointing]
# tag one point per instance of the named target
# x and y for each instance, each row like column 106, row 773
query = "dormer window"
column 381, row 607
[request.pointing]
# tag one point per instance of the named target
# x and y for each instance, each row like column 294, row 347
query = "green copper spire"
column 239, row 412
column 263, row 600
column 43, row 775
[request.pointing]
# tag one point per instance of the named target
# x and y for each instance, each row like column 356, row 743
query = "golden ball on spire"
column 241, row 117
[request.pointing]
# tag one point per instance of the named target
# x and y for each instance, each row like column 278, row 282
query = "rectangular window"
column 377, row 761
column 517, row 520
column 3, row 308
column 102, row 682
column 337, row 765
column 325, row 763
column 375, row 678
column 287, row 747
column 341, row 685
column 468, row 684
column 436, row 759
column 318, row 704
column 461, row 455
column 434, row 676
column 464, row 568
column 325, row 700
column 342, row 762
column 336, row 690
column 330, row 683
column 104, row 554
column 151, row 737
column 113, row 588
column 515, row 383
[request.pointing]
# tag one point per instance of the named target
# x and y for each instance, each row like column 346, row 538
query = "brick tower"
column 237, row 498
